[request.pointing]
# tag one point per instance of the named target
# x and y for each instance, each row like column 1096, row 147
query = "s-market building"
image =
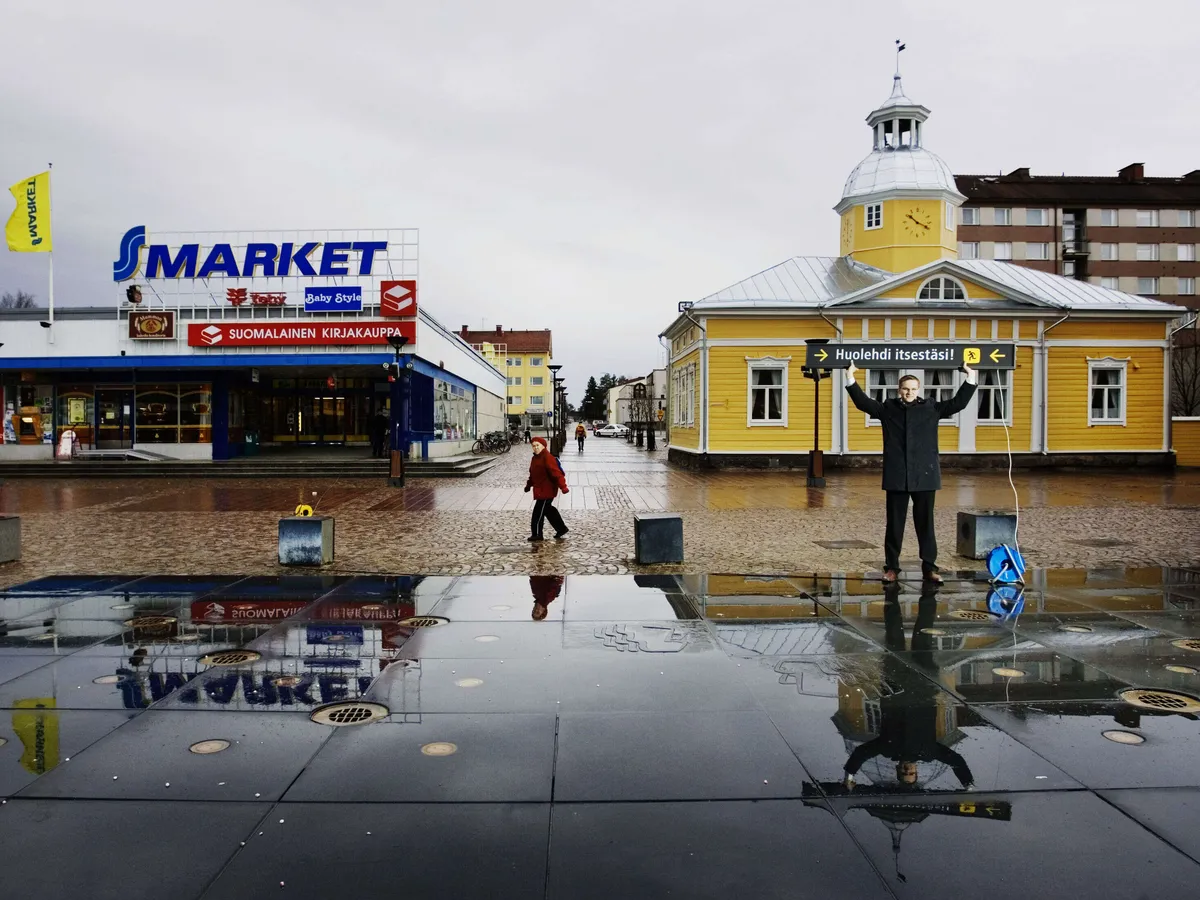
column 212, row 344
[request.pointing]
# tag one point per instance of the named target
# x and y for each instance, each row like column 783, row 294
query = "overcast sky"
column 581, row 166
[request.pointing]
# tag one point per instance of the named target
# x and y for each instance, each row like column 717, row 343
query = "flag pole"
column 51, row 253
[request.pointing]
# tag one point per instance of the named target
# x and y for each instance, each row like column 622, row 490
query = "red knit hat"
column 539, row 440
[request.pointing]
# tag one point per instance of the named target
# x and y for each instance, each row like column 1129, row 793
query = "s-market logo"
column 131, row 253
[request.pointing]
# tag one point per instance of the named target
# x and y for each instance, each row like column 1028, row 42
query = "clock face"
column 918, row 222
column 847, row 232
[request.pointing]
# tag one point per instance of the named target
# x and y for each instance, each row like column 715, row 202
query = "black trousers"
column 580, row 440
column 922, row 513
column 543, row 510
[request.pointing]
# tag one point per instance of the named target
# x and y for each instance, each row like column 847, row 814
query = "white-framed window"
column 1109, row 252
column 1187, row 252
column 1147, row 286
column 968, row 250
column 1187, row 286
column 515, row 362
column 1003, row 215
column 514, row 379
column 937, row 385
column 537, row 399
column 766, row 388
column 1003, row 250
column 948, row 216
column 941, row 288
column 970, row 215
column 514, row 401
column 1187, row 218
column 683, row 396
column 1035, row 250
column 1108, row 217
column 873, row 216
column 1147, row 218
column 1106, row 391
column 882, row 385
column 536, row 380
column 1069, row 268
column 537, row 360
column 1037, row 217
column 995, row 397
column 1147, row 252
column 1110, row 282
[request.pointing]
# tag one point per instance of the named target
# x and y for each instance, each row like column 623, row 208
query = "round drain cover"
column 1162, row 701
column 1009, row 673
column 150, row 622
column 1181, row 670
column 1192, row 644
column 423, row 622
column 212, row 746
column 936, row 632
column 230, row 657
column 1123, row 737
column 973, row 615
column 106, row 679
column 349, row 712
column 469, row 682
column 440, row 748
column 1076, row 629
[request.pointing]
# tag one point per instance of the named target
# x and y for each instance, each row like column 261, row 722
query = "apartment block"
column 524, row 358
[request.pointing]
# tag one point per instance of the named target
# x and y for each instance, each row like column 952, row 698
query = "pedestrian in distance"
column 580, row 435
column 910, row 462
column 546, row 479
column 379, row 430
column 528, row 435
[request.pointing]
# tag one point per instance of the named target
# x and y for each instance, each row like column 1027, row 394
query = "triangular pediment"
column 976, row 290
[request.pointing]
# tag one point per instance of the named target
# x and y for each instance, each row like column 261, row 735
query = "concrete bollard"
column 10, row 538
column 305, row 540
column 982, row 531
column 658, row 538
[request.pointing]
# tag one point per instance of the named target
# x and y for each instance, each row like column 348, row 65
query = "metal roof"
column 897, row 169
column 802, row 281
column 1068, row 293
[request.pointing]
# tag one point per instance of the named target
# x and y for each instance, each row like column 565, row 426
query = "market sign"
column 156, row 326
column 905, row 355
column 297, row 334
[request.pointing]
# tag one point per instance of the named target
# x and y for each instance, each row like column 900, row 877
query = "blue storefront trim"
column 209, row 362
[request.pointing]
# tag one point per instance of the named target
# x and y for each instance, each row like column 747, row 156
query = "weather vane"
column 899, row 47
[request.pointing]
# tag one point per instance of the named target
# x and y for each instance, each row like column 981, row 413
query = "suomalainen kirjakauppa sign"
column 906, row 355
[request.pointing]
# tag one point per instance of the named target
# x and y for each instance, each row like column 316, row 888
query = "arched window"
column 941, row 289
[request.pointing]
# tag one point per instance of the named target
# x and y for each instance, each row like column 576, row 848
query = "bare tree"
column 1185, row 375
column 19, row 300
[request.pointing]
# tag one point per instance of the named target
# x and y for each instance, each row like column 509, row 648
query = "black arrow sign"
column 904, row 355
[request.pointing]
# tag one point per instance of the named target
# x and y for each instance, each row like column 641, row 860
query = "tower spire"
column 899, row 47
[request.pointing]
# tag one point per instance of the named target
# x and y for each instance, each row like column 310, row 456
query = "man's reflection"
column 908, row 701
column 545, row 589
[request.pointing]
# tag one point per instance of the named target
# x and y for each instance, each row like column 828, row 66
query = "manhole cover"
column 852, row 544
column 973, row 615
column 349, row 712
column 1123, row 737
column 106, row 679
column 1076, row 629
column 230, row 657
column 1181, row 670
column 936, row 632
column 212, row 746
column 1163, row 701
column 150, row 622
column 1008, row 673
column 1192, row 644
column 440, row 748
column 423, row 622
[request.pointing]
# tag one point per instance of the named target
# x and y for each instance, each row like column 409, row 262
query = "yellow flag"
column 28, row 229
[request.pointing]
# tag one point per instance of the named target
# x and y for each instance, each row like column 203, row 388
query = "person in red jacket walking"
column 546, row 479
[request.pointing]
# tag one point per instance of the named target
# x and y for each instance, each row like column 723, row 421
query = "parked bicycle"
column 492, row 442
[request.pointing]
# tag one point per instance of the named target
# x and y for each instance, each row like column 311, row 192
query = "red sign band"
column 298, row 333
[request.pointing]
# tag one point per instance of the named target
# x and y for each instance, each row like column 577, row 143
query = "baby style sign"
column 888, row 355
column 333, row 299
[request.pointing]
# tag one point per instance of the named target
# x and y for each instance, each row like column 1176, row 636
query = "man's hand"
column 972, row 375
column 850, row 373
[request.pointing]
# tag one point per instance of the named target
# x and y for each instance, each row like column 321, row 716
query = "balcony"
column 1074, row 241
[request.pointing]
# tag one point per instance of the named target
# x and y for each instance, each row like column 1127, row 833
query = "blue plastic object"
column 1006, row 600
column 1005, row 564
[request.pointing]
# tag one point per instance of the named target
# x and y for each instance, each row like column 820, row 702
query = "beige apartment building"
column 1128, row 232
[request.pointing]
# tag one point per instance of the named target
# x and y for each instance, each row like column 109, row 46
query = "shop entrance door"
column 114, row 419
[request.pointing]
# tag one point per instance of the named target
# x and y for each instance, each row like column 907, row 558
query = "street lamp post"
column 396, row 462
column 816, row 459
column 551, row 430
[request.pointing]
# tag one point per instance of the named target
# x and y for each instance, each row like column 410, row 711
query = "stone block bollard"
column 658, row 538
column 305, row 540
column 10, row 538
column 981, row 531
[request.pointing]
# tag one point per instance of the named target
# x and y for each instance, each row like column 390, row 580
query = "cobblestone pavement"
column 757, row 522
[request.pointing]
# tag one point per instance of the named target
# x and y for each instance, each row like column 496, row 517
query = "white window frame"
column 773, row 364
column 514, row 400
column 537, row 399
column 683, row 399
column 1110, row 283
column 1150, row 216
column 1110, row 252
column 1005, row 213
column 1187, row 218
column 983, row 391
column 940, row 389
column 1152, row 291
column 1043, row 252
column 996, row 251
column 537, row 380
column 1108, row 363
column 868, row 209
column 515, row 362
column 948, row 220
column 970, row 213
column 1186, row 253
column 1148, row 253
column 881, row 392
column 1187, row 286
column 537, row 360
column 1112, row 216
column 943, row 282
column 965, row 253
column 1068, row 268
column 1042, row 214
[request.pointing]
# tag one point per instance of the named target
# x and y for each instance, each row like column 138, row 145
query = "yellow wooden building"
column 1091, row 381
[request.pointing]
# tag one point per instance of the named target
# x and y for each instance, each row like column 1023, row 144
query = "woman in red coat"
column 546, row 479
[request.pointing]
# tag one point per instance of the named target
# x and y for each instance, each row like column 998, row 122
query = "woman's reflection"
column 545, row 589
column 908, row 702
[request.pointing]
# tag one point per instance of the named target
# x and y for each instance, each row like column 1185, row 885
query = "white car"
column 612, row 431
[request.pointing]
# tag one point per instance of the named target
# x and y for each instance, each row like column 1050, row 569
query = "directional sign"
column 905, row 355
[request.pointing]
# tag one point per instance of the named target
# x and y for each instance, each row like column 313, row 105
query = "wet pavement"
column 580, row 736
column 761, row 521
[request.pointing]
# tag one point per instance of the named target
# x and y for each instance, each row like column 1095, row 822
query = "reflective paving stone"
column 419, row 850
column 1180, row 624
column 506, row 607
column 284, row 587
column 15, row 666
column 1019, row 676
column 295, row 686
column 1066, row 843
column 186, row 585
column 491, row 758
column 721, row 849
column 1131, row 599
column 673, row 756
column 623, row 598
column 485, row 640
column 82, row 848
column 40, row 639
column 149, row 759
column 107, row 608
column 40, row 739
column 126, row 681
column 68, row 584
column 1072, row 632
column 1072, row 736
column 1171, row 813
column 1155, row 661
column 891, row 726
column 748, row 640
